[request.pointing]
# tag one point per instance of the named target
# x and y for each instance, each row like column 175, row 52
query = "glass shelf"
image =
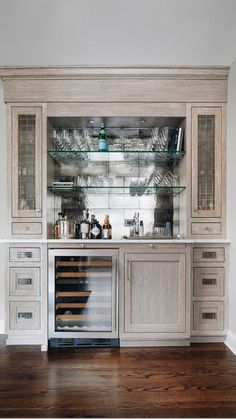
column 135, row 157
column 76, row 191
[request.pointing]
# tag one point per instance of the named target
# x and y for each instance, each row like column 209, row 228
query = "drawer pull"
column 210, row 316
column 24, row 281
column 24, row 255
column 25, row 315
column 209, row 255
column 208, row 281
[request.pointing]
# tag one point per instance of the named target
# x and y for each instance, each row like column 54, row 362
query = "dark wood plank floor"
column 199, row 381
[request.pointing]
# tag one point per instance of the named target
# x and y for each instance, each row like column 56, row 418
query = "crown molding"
column 116, row 71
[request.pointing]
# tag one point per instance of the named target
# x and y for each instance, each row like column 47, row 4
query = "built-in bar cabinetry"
column 165, row 290
column 26, row 306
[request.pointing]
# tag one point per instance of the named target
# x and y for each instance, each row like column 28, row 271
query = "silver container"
column 66, row 229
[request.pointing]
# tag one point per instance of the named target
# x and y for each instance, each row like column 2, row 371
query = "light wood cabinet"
column 26, row 289
column 208, row 171
column 26, row 164
column 209, row 300
column 155, row 293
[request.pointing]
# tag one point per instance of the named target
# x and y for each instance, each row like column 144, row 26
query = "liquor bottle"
column 106, row 229
column 141, row 228
column 95, row 228
column 136, row 223
column 85, row 226
column 102, row 137
column 60, row 217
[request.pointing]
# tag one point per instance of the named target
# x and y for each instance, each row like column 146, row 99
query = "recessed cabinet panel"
column 206, row 228
column 208, row 316
column 153, row 284
column 209, row 254
column 24, row 315
column 206, row 162
column 24, row 254
column 26, row 162
column 24, row 281
column 208, row 282
column 26, row 228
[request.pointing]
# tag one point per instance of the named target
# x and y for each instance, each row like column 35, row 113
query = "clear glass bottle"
column 102, row 139
column 95, row 228
column 106, row 229
column 85, row 226
column 141, row 228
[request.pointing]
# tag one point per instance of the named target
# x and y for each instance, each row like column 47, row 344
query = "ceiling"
column 77, row 32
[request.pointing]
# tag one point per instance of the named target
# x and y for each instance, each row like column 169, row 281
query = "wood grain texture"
column 154, row 283
column 115, row 90
column 199, row 381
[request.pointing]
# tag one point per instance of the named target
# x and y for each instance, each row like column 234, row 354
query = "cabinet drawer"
column 208, row 282
column 209, row 254
column 26, row 228
column 206, row 228
column 25, row 281
column 208, row 315
column 22, row 254
column 24, row 315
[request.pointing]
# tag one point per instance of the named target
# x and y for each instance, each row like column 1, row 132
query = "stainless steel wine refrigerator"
column 83, row 295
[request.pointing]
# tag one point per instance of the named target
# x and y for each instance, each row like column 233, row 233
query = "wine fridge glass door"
column 82, row 292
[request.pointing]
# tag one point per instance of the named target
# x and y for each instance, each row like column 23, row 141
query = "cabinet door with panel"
column 26, row 160
column 155, row 293
column 206, row 165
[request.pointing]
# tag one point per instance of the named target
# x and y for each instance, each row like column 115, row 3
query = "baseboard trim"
column 151, row 343
column 231, row 341
column 207, row 339
column 3, row 339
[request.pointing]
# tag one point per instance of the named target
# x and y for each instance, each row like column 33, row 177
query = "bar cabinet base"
column 83, row 343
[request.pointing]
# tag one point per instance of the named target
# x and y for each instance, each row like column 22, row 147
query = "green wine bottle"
column 102, row 137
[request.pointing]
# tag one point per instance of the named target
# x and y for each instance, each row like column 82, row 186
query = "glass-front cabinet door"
column 82, row 292
column 206, row 161
column 26, row 161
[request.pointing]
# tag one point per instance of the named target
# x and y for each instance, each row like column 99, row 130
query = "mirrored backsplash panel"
column 140, row 171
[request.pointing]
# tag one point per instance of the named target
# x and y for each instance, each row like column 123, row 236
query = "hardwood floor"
column 199, row 381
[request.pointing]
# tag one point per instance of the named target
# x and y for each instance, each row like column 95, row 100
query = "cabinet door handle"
column 210, row 316
column 24, row 281
column 209, row 255
column 25, row 315
column 208, row 281
column 24, row 255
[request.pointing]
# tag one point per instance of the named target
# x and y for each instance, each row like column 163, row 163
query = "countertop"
column 116, row 241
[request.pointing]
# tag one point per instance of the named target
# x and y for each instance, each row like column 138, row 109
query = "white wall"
column 231, row 180
column 35, row 32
